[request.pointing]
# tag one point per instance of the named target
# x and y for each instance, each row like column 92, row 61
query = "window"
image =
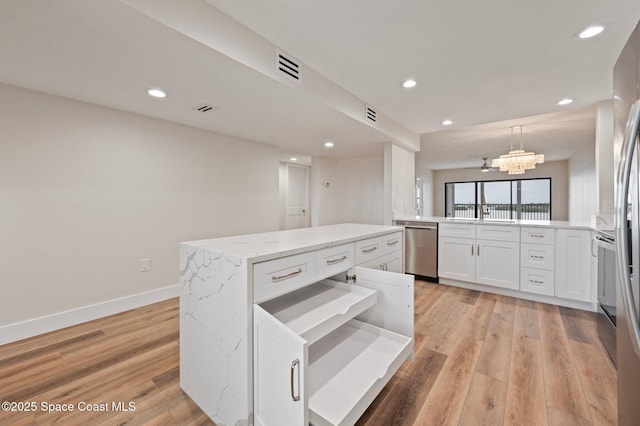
column 527, row 199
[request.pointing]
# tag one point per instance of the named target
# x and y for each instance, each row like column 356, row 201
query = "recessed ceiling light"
column 447, row 123
column 409, row 84
column 328, row 144
column 591, row 31
column 565, row 101
column 293, row 159
column 156, row 93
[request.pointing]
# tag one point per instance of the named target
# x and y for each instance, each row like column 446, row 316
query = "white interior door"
column 297, row 197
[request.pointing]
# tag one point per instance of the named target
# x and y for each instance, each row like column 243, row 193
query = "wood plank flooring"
column 480, row 359
column 484, row 359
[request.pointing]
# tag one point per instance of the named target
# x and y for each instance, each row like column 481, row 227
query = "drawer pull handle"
column 533, row 256
column 284, row 277
column 536, row 235
column 536, row 282
column 338, row 260
column 293, row 367
column 392, row 243
column 370, row 250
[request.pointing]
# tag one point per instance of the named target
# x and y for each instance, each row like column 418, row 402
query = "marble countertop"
column 271, row 245
column 528, row 223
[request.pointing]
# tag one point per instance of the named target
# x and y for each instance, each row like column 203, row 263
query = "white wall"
column 582, row 184
column 355, row 193
column 556, row 170
column 325, row 199
column 426, row 181
column 86, row 191
column 362, row 189
column 399, row 182
column 604, row 163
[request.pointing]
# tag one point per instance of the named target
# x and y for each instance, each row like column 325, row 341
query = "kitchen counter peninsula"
column 506, row 222
column 546, row 261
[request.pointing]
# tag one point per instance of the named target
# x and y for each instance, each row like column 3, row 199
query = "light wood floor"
column 481, row 359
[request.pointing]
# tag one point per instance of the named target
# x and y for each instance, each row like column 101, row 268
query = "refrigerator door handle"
column 622, row 207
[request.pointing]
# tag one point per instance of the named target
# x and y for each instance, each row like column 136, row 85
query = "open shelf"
column 314, row 311
column 348, row 368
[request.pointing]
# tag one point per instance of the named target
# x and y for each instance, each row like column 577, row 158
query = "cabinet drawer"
column 457, row 230
column 368, row 249
column 275, row 277
column 333, row 260
column 390, row 262
column 537, row 235
column 391, row 243
column 498, row 233
column 537, row 256
column 537, row 281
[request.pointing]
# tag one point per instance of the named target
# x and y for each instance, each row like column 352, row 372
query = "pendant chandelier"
column 517, row 161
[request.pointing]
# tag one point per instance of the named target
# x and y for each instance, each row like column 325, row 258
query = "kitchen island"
column 261, row 325
column 546, row 261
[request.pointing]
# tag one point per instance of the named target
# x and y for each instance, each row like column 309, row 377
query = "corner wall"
column 355, row 193
column 86, row 191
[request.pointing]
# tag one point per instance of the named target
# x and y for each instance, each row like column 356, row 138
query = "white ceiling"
column 475, row 63
column 558, row 135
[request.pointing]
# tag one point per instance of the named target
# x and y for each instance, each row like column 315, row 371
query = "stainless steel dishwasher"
column 421, row 248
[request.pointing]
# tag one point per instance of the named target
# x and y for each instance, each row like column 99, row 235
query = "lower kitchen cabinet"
column 323, row 353
column 498, row 263
column 495, row 263
column 456, row 258
column 553, row 265
column 573, row 264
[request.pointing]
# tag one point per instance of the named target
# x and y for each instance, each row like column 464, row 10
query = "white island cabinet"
column 268, row 338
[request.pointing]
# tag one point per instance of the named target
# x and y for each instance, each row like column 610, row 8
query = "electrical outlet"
column 145, row 265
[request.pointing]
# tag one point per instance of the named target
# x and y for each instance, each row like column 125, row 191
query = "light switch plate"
column 145, row 265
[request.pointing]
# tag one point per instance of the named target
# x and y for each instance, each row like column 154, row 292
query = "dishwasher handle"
column 417, row 225
column 433, row 228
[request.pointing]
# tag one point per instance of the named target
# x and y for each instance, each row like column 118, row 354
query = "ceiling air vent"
column 205, row 108
column 370, row 113
column 287, row 65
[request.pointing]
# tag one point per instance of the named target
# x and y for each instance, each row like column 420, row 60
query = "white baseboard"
column 585, row 306
column 33, row 327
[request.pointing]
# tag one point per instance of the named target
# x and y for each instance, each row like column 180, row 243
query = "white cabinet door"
column 394, row 310
column 280, row 358
column 456, row 258
column 573, row 264
column 498, row 263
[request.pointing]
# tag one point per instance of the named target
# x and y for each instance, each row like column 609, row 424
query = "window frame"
column 518, row 205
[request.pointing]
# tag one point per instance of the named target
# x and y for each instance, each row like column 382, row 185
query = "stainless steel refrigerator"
column 627, row 207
